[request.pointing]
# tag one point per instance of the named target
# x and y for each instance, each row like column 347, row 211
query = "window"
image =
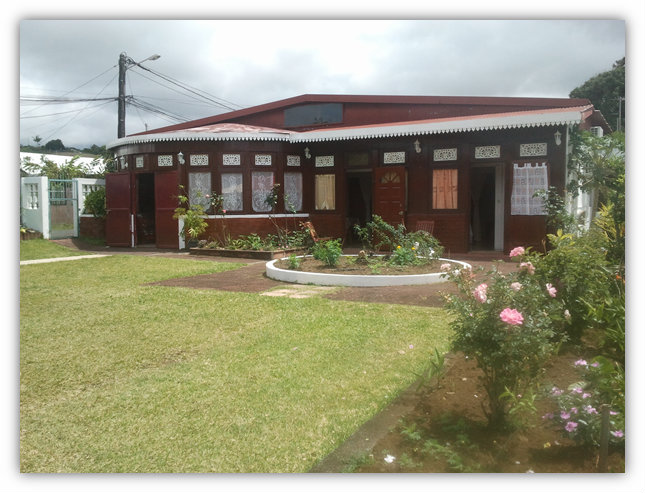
column 528, row 179
column 261, row 187
column 32, row 196
column 232, row 192
column 325, row 192
column 444, row 189
column 199, row 186
column 313, row 114
column 292, row 192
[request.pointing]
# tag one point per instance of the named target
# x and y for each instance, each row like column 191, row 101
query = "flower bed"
column 252, row 254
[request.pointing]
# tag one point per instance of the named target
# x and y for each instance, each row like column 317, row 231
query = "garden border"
column 323, row 279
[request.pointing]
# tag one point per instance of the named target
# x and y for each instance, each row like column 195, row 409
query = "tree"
column 606, row 91
column 37, row 139
column 52, row 170
column 55, row 145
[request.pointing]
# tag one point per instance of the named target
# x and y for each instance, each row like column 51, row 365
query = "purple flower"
column 571, row 426
column 595, row 364
column 590, row 410
column 617, row 433
column 565, row 415
column 556, row 391
column 576, row 390
column 613, row 413
column 586, row 395
column 580, row 362
column 574, row 410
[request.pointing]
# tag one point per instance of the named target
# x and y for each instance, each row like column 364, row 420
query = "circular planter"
column 323, row 279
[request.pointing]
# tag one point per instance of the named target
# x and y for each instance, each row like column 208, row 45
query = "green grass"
column 120, row 376
column 39, row 248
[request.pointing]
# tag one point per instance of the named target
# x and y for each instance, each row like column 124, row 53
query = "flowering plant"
column 510, row 325
column 578, row 413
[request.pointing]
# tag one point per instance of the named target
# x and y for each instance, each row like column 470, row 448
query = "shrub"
column 509, row 325
column 95, row 203
column 328, row 252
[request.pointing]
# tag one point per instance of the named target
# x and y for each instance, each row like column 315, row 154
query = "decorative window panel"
column 538, row 149
column 231, row 159
column 32, row 196
column 124, row 162
column 263, row 159
column 293, row 160
column 87, row 189
column 199, row 159
column 487, row 152
column 199, row 186
column 232, row 192
column 445, row 154
column 164, row 160
column 138, row 162
column 357, row 159
column 293, row 192
column 528, row 178
column 444, row 189
column 394, row 157
column 261, row 188
column 325, row 193
column 324, row 161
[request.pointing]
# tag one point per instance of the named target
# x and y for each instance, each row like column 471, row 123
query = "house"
column 469, row 165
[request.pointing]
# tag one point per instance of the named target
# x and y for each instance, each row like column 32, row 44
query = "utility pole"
column 122, row 68
column 124, row 63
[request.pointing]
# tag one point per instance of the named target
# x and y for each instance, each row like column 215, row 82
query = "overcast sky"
column 251, row 62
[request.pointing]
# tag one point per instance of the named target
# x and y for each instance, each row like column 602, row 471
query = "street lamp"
column 125, row 62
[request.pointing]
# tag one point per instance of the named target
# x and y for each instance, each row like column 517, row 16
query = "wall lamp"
column 417, row 146
column 558, row 137
column 180, row 158
column 307, row 153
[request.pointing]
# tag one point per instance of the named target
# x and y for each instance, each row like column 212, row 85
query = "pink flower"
column 617, row 433
column 590, row 410
column 580, row 362
column 511, row 316
column 571, row 426
column 595, row 364
column 445, row 267
column 516, row 286
column 556, row 391
column 480, row 293
column 586, row 395
column 552, row 291
column 574, row 410
column 565, row 415
column 516, row 251
column 528, row 266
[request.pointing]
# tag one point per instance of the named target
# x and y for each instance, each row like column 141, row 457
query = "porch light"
column 558, row 138
column 307, row 153
column 180, row 158
column 417, row 146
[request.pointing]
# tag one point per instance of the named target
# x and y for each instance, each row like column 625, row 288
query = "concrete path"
column 58, row 259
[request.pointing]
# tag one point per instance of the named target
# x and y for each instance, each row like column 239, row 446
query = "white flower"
column 389, row 458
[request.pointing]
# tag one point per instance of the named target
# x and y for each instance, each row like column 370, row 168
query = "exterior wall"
column 92, row 227
column 452, row 226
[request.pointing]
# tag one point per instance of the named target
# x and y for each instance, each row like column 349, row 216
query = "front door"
column 487, row 208
column 119, row 224
column 390, row 194
column 166, row 193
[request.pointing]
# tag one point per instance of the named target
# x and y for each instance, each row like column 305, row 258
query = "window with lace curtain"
column 528, row 178
column 444, row 189
column 292, row 192
column 325, row 193
column 232, row 191
column 261, row 187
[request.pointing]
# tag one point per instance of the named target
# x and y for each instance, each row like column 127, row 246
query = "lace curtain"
column 293, row 191
column 528, row 178
column 232, row 191
column 199, row 185
column 261, row 186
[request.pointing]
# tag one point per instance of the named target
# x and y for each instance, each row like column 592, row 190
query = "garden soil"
column 446, row 413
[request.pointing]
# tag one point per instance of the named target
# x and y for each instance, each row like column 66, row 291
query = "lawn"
column 39, row 248
column 120, row 376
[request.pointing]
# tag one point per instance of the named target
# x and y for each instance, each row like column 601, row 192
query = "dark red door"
column 390, row 194
column 118, row 223
column 166, row 192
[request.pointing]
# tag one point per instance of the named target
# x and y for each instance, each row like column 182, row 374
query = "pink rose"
column 528, row 266
column 516, row 286
column 552, row 291
column 511, row 316
column 517, row 251
column 445, row 267
column 480, row 293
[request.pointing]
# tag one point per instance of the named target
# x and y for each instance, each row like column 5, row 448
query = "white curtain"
column 232, row 191
column 261, row 186
column 293, row 191
column 527, row 179
column 325, row 192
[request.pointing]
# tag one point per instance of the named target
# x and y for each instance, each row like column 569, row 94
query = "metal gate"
column 63, row 209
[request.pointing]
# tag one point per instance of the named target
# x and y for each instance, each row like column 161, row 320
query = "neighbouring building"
column 468, row 165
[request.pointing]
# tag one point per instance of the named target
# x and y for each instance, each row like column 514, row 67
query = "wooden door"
column 118, row 223
column 166, row 192
column 390, row 190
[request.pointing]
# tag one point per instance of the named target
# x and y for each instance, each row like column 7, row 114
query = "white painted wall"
column 35, row 218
